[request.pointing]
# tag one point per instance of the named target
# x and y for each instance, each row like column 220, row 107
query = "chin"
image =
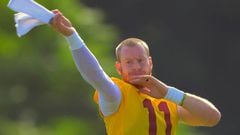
column 137, row 73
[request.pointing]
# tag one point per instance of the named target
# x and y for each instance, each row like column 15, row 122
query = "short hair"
column 131, row 42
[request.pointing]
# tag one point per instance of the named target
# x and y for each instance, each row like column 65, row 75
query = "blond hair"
column 131, row 42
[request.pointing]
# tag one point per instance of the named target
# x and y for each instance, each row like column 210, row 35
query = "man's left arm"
column 197, row 111
column 192, row 109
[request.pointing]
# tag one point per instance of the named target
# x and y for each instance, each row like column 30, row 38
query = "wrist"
column 70, row 31
column 74, row 40
column 175, row 95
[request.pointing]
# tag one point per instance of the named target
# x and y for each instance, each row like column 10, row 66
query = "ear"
column 150, row 63
column 118, row 67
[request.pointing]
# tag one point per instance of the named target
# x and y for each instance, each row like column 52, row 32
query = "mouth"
column 137, row 73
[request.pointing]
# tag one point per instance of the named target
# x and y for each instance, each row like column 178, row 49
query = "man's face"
column 134, row 60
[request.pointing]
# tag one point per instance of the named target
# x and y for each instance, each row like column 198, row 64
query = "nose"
column 136, row 66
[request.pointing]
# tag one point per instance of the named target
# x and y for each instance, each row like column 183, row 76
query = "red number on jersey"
column 152, row 117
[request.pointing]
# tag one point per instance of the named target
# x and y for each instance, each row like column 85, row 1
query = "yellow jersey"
column 140, row 114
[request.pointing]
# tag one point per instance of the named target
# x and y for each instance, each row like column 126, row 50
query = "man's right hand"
column 61, row 24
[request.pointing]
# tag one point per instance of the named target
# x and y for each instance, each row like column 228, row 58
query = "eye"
column 140, row 60
column 128, row 62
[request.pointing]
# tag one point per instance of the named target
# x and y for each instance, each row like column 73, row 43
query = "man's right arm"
column 87, row 64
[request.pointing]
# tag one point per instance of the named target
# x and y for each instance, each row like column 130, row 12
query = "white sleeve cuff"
column 75, row 41
column 175, row 95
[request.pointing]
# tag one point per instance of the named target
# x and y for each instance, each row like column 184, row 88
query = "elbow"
column 214, row 119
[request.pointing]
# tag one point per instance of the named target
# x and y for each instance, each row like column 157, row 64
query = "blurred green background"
column 41, row 91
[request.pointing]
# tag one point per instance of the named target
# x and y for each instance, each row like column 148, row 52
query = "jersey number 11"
column 162, row 106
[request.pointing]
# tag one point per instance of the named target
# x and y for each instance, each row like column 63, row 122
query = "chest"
column 147, row 114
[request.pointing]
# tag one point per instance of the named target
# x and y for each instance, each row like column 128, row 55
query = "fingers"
column 58, row 21
column 145, row 90
column 55, row 19
column 61, row 24
column 65, row 21
column 56, row 11
column 141, row 79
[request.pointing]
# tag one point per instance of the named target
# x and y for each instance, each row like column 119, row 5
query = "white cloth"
column 31, row 15
column 31, row 8
column 24, row 23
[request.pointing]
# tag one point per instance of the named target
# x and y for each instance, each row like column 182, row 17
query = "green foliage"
column 41, row 91
column 60, row 126
column 186, row 130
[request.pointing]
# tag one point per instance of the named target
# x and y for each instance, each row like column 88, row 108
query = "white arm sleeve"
column 92, row 72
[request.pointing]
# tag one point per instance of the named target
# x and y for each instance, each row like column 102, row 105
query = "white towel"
column 31, row 14
column 24, row 23
column 31, row 8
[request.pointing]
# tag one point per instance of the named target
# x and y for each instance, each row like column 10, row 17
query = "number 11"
column 162, row 106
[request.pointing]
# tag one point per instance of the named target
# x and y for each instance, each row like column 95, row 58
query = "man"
column 138, row 103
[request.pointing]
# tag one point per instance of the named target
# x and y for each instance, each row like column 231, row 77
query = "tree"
column 41, row 91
